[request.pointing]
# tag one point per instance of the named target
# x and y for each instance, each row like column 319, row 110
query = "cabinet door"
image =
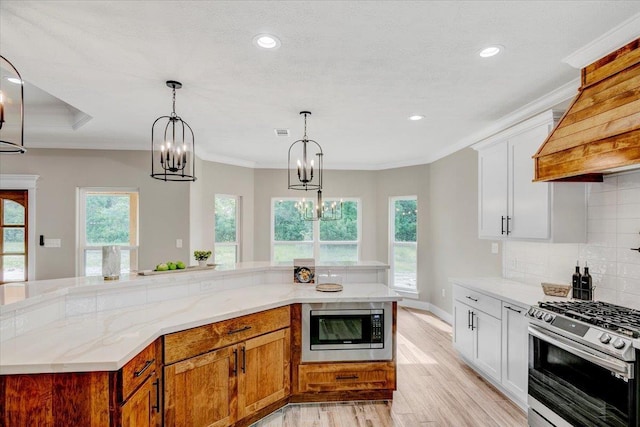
column 488, row 331
column 142, row 408
column 529, row 209
column 199, row 391
column 264, row 372
column 492, row 190
column 462, row 333
column 515, row 350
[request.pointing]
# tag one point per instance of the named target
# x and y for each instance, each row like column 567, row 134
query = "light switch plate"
column 178, row 243
column 52, row 243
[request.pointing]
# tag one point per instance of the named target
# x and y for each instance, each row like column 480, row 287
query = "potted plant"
column 202, row 257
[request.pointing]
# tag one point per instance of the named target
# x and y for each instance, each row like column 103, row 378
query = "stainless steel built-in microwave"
column 347, row 332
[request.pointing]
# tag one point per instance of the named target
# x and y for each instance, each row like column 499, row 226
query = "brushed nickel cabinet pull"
column 144, row 368
column 235, row 331
column 346, row 377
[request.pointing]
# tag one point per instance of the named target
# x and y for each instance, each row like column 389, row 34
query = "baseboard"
column 421, row 305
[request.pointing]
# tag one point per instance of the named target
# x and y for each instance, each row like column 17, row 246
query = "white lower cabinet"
column 492, row 337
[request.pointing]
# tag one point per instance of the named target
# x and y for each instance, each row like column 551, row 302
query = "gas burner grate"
column 608, row 316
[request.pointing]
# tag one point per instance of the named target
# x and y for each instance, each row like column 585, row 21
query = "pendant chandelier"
column 172, row 146
column 319, row 211
column 307, row 172
column 11, row 109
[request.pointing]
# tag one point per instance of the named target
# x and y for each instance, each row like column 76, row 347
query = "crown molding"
column 610, row 41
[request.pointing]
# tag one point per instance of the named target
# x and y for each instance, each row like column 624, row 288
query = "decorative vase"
column 111, row 262
column 202, row 263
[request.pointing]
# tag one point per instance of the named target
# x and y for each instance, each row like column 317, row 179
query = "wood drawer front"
column 482, row 302
column 346, row 376
column 185, row 344
column 138, row 369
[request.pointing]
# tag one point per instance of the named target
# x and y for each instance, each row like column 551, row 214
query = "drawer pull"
column 513, row 309
column 137, row 374
column 346, row 377
column 472, row 299
column 156, row 384
column 235, row 331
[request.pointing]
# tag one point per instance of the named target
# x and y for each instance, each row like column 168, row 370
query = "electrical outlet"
column 178, row 243
column 513, row 263
column 495, row 248
column 52, row 243
column 443, row 292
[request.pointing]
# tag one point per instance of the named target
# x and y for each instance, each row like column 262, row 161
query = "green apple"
column 171, row 265
column 180, row 265
column 162, row 267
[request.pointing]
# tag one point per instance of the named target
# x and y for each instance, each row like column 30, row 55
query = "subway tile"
column 602, row 198
column 610, row 183
column 601, row 225
column 602, row 239
column 628, row 196
column 601, row 212
column 628, row 225
column 628, row 300
column 604, row 294
column 627, row 285
column 627, row 256
column 629, row 270
column 631, row 210
column 630, row 180
column 598, row 253
column 604, row 281
column 628, row 240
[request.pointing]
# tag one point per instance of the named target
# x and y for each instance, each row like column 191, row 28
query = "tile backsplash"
column 613, row 228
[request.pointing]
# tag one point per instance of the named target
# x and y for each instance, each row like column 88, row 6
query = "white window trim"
column 238, row 242
column 316, row 242
column 81, row 231
column 403, row 290
column 26, row 182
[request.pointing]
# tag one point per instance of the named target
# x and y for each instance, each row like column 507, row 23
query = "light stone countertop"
column 506, row 290
column 106, row 340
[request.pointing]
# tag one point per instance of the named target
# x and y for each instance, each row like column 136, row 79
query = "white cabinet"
column 477, row 338
column 492, row 336
column 515, row 350
column 510, row 205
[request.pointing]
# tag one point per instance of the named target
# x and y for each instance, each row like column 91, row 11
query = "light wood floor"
column 435, row 388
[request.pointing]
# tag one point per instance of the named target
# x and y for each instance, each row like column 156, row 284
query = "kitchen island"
column 110, row 342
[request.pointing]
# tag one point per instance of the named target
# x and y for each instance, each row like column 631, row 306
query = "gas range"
column 603, row 326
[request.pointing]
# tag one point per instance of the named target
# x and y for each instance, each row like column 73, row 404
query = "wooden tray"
column 191, row 268
column 329, row 287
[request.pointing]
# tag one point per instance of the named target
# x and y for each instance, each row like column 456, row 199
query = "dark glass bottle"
column 576, row 285
column 585, row 284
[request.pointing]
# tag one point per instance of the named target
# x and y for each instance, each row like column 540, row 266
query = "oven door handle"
column 623, row 369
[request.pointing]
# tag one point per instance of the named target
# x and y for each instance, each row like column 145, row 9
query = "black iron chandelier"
column 172, row 146
column 11, row 107
column 319, row 211
column 307, row 173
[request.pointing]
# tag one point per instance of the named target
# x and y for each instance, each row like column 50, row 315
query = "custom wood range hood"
column 600, row 132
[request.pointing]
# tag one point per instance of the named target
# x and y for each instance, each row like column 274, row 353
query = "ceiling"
column 360, row 67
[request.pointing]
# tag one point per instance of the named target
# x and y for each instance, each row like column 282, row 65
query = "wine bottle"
column 576, row 285
column 585, row 284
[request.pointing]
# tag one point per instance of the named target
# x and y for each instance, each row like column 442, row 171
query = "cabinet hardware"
column 502, row 225
column 472, row 325
column 346, row 377
column 244, row 361
column 156, row 384
column 144, row 368
column 468, row 319
column 472, row 299
column 513, row 309
column 638, row 249
column 508, row 219
column 235, row 331
column 235, row 362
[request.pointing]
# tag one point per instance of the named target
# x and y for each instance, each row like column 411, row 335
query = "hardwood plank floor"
column 435, row 388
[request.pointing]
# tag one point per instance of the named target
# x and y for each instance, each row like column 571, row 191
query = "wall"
column 272, row 183
column 613, row 226
column 164, row 206
column 455, row 250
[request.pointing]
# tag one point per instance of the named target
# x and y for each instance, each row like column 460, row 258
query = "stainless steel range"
column 582, row 364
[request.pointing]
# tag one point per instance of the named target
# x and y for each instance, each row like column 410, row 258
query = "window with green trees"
column 403, row 242
column 326, row 241
column 107, row 217
column 227, row 229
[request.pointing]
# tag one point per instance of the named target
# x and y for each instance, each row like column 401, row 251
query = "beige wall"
column 164, row 206
column 272, row 183
column 455, row 250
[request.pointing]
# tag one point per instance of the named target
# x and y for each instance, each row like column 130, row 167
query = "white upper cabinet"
column 510, row 204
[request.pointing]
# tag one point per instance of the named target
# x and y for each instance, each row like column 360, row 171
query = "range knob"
column 548, row 318
column 531, row 311
column 539, row 314
column 618, row 343
column 605, row 338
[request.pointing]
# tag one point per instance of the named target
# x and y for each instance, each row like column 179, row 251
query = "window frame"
column 238, row 242
column 82, row 248
column 316, row 242
column 411, row 291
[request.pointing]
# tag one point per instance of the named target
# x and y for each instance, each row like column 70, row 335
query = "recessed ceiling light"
column 416, row 117
column 490, row 51
column 266, row 41
column 14, row 80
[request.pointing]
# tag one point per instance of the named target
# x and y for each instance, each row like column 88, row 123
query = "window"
column 14, row 232
column 403, row 246
column 107, row 217
column 227, row 229
column 326, row 241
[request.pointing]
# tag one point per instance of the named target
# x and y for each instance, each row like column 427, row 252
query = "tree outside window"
column 227, row 229
column 403, row 251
